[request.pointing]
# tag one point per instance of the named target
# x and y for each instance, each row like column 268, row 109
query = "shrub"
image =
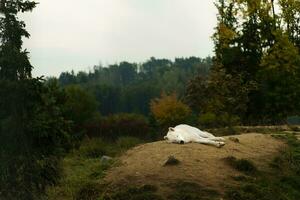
column 94, row 148
column 81, row 105
column 208, row 120
column 127, row 142
column 212, row 120
column 146, row 192
column 89, row 191
column 169, row 111
column 34, row 137
column 114, row 126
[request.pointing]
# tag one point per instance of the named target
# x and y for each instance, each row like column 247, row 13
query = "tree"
column 245, row 33
column 33, row 131
column 291, row 16
column 168, row 111
column 81, row 106
column 280, row 78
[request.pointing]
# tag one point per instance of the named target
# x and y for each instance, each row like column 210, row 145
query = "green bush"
column 115, row 126
column 94, row 148
column 208, row 120
column 212, row 120
column 127, row 142
column 146, row 192
column 89, row 191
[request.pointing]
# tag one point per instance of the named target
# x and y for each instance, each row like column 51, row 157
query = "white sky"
column 78, row 34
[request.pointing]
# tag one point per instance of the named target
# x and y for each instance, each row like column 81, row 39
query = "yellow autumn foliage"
column 169, row 111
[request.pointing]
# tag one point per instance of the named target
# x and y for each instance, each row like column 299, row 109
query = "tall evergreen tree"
column 33, row 130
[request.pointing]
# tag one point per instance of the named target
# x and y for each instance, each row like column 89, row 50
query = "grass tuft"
column 192, row 191
column 89, row 191
column 241, row 165
column 146, row 192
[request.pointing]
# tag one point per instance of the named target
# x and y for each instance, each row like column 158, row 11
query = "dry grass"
column 200, row 164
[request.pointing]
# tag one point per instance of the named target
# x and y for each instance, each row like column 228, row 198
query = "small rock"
column 234, row 139
column 105, row 159
column 171, row 161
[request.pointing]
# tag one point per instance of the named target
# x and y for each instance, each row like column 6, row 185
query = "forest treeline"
column 129, row 87
column 253, row 78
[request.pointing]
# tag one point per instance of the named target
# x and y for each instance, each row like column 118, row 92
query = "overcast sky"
column 78, row 34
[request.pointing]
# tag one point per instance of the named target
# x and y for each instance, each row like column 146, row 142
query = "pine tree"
column 33, row 130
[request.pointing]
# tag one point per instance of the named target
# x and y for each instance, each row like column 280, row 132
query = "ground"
column 201, row 164
column 261, row 163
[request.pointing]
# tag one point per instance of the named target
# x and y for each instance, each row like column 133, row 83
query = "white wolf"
column 184, row 134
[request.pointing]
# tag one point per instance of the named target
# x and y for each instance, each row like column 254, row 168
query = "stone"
column 105, row 159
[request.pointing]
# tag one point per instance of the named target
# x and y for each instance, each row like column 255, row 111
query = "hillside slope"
column 201, row 164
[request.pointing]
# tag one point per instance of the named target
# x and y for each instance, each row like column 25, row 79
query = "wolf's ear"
column 171, row 129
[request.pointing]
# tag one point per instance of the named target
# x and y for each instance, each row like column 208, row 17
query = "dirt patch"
column 201, row 164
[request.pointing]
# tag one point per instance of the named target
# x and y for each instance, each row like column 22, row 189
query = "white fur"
column 185, row 134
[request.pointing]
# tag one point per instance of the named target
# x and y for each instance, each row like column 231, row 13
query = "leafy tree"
column 219, row 99
column 33, row 131
column 81, row 106
column 280, row 78
column 245, row 35
column 291, row 16
column 168, row 111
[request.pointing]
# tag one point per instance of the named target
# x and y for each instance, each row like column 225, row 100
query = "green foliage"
column 146, row 192
column 255, row 74
column 33, row 129
column 81, row 106
column 14, row 61
column 126, row 142
column 291, row 15
column 280, row 78
column 83, row 170
column 81, row 176
column 123, row 124
column 97, row 147
column 35, row 135
column 94, row 148
column 89, row 191
column 129, row 87
column 220, row 99
column 211, row 120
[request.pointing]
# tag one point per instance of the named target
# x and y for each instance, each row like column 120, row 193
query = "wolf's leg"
column 210, row 142
column 218, row 139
